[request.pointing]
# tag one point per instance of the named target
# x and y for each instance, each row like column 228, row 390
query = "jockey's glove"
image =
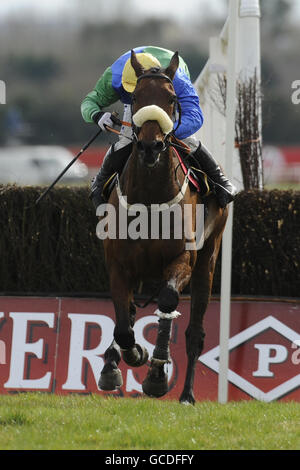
column 103, row 119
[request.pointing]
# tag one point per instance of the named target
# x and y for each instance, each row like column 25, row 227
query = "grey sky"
column 176, row 8
column 183, row 10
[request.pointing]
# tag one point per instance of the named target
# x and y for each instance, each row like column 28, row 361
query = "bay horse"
column 152, row 177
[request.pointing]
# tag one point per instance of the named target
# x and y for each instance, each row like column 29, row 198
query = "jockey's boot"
column 225, row 190
column 114, row 162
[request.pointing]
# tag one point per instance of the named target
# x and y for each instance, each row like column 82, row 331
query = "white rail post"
column 232, row 68
column 250, row 52
column 2, row 92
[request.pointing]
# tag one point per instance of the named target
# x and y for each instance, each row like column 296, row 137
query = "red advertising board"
column 57, row 345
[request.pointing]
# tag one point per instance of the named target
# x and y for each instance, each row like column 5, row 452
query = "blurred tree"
column 93, row 11
column 195, row 60
column 276, row 15
column 280, row 120
column 50, row 67
column 33, row 68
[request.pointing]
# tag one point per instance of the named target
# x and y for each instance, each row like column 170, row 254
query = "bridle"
column 155, row 72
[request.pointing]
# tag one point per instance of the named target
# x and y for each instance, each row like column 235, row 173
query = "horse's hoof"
column 110, row 380
column 136, row 356
column 187, row 398
column 155, row 385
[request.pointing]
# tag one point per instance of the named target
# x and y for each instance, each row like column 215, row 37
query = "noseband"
column 156, row 73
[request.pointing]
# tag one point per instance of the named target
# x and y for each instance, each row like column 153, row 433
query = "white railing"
column 213, row 132
column 2, row 92
column 236, row 52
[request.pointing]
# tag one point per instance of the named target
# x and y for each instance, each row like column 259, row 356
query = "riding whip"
column 115, row 120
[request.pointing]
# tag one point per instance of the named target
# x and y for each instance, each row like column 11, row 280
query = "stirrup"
column 224, row 195
column 96, row 195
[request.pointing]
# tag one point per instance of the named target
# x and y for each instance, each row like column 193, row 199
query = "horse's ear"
column 137, row 67
column 173, row 66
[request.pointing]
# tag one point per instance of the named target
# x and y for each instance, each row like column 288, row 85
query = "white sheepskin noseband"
column 153, row 113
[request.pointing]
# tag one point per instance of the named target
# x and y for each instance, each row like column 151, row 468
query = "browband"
column 155, row 75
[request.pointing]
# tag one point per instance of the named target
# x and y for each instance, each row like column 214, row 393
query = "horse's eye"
column 172, row 99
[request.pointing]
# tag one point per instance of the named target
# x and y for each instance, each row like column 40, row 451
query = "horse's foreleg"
column 201, row 284
column 111, row 376
column 177, row 276
column 132, row 353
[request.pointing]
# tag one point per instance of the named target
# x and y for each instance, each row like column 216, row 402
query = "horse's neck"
column 149, row 186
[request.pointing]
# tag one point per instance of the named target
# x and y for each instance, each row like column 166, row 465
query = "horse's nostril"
column 154, row 146
column 157, row 145
column 150, row 151
column 140, row 145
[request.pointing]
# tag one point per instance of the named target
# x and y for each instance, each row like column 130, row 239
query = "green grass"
column 46, row 422
column 283, row 186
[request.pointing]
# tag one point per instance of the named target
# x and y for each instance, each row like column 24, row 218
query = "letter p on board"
column 265, row 358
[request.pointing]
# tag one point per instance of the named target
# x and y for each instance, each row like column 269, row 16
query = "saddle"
column 198, row 179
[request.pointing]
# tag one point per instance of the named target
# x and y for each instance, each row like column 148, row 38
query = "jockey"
column 118, row 83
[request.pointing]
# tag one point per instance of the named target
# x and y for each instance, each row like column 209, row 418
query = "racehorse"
column 151, row 177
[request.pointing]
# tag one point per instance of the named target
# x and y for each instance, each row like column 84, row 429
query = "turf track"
column 41, row 421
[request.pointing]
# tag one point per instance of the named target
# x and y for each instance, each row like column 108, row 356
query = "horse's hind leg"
column 201, row 284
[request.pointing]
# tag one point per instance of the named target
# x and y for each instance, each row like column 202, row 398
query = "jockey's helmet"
column 129, row 77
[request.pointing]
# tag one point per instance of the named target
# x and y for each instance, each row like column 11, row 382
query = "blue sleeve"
column 191, row 113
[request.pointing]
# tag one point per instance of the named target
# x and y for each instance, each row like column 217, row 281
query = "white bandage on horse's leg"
column 153, row 113
column 161, row 353
column 167, row 316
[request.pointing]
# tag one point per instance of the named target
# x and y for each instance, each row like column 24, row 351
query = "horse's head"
column 153, row 108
